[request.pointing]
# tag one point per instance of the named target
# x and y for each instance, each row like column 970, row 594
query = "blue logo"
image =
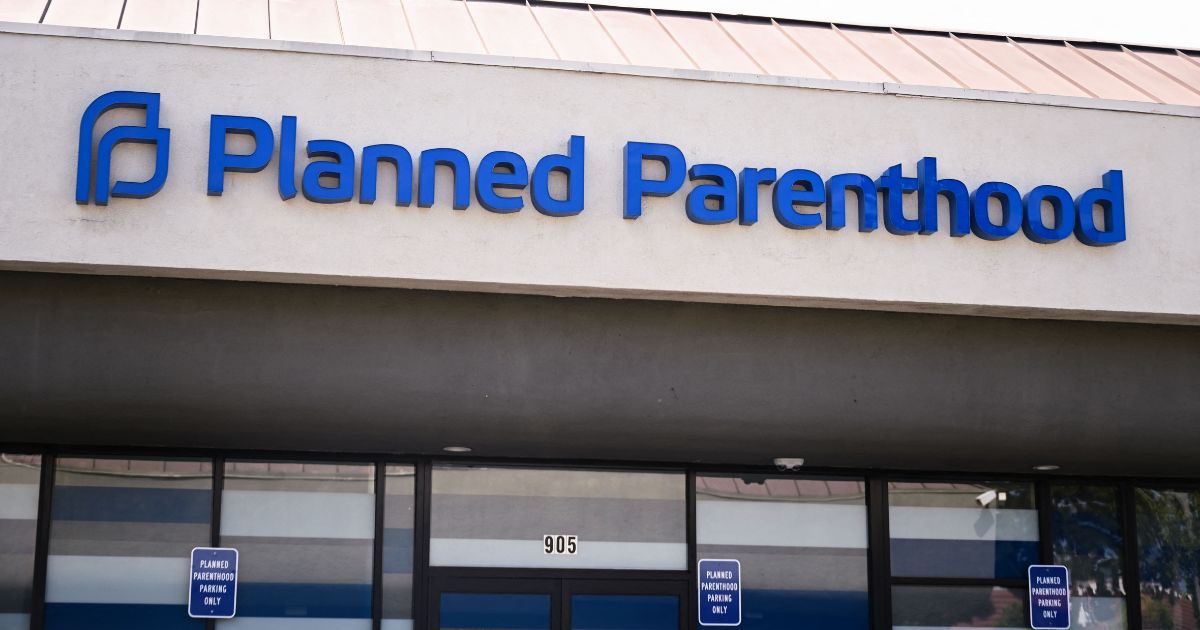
column 94, row 167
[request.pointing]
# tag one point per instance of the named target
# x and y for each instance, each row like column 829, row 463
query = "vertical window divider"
column 879, row 561
column 1127, row 503
column 41, row 553
column 214, row 527
column 693, row 602
column 422, row 500
column 1045, row 508
column 377, row 550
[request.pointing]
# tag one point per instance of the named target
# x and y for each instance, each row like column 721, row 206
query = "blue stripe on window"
column 135, row 505
column 397, row 550
column 787, row 610
column 119, row 617
column 962, row 558
column 330, row 601
column 509, row 611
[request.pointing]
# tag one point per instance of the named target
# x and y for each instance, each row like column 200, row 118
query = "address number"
column 560, row 544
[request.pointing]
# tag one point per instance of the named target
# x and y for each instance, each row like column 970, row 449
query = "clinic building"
column 467, row 314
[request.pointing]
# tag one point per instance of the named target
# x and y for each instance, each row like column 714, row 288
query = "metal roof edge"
column 215, row 41
column 653, row 5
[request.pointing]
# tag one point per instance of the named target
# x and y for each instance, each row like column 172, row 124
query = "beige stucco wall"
column 46, row 81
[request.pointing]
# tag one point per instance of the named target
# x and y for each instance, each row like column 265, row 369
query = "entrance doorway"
column 510, row 603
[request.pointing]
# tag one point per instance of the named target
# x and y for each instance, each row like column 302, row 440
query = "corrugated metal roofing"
column 703, row 41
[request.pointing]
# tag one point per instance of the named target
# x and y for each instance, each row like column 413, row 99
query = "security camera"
column 789, row 463
column 986, row 498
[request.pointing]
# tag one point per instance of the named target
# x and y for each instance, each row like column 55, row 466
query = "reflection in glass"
column 494, row 611
column 20, row 478
column 305, row 536
column 1168, row 531
column 624, row 612
column 802, row 544
column 935, row 607
column 121, row 536
column 398, row 547
column 967, row 530
column 496, row 517
column 1088, row 540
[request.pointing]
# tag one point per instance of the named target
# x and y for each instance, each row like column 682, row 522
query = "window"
column 305, row 539
column 20, row 478
column 1168, row 532
column 497, row 517
column 928, row 607
column 802, row 545
column 121, row 536
column 962, row 530
column 398, row 509
column 983, row 532
column 1088, row 540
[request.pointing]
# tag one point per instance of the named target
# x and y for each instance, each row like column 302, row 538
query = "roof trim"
column 212, row 41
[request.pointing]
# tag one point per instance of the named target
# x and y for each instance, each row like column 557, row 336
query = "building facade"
column 463, row 314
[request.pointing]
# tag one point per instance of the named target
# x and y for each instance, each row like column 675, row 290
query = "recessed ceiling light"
column 1046, row 467
column 457, row 449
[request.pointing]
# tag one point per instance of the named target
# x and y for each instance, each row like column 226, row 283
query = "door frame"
column 560, row 584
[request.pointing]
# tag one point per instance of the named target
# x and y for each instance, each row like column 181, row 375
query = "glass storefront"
column 802, row 545
column 305, row 535
column 20, row 480
column 121, row 535
column 498, row 517
column 1168, row 533
column 349, row 545
column 1089, row 540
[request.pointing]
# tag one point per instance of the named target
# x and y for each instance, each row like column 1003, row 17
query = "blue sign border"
column 700, row 593
column 191, row 585
column 1029, row 577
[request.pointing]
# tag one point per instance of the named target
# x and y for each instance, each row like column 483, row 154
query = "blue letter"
column 501, row 169
column 460, row 172
column 868, row 208
column 287, row 158
column 723, row 191
column 342, row 168
column 219, row 161
column 1064, row 214
column 151, row 133
column 395, row 155
column 1111, row 199
column 787, row 197
column 894, row 185
column 636, row 187
column 929, row 187
column 571, row 167
column 1010, row 211
column 749, row 182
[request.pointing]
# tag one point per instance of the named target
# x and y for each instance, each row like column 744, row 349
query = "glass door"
column 624, row 605
column 557, row 604
column 495, row 604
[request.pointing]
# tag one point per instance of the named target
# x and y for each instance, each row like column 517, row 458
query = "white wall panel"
column 250, row 233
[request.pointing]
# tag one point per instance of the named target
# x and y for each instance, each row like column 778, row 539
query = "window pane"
column 802, row 545
column 937, row 607
column 1168, row 529
column 20, row 477
column 962, row 530
column 398, row 548
column 121, row 536
column 1088, row 540
column 624, row 612
column 305, row 538
column 496, row 517
column 494, row 611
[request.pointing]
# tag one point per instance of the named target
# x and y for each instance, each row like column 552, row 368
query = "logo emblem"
column 94, row 168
